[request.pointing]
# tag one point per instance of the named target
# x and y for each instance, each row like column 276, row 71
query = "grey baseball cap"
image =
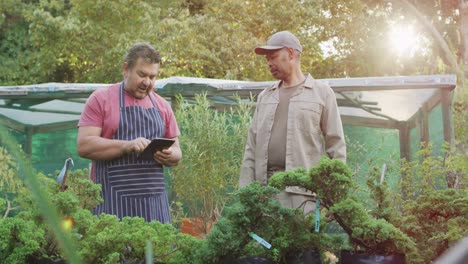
column 279, row 40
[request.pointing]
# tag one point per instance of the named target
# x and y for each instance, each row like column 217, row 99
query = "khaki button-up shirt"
column 314, row 129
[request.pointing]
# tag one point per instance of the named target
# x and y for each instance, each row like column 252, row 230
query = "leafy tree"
column 16, row 49
column 222, row 38
column 443, row 25
column 83, row 40
column 77, row 45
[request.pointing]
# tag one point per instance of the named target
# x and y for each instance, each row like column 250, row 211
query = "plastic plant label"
column 259, row 240
column 317, row 216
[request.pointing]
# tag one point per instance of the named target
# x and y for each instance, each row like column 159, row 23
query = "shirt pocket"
column 266, row 113
column 308, row 115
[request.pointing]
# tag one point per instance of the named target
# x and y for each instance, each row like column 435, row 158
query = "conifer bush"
column 332, row 181
column 256, row 210
column 434, row 215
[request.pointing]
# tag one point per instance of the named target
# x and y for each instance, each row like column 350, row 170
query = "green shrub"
column 256, row 210
column 332, row 181
column 28, row 237
column 432, row 214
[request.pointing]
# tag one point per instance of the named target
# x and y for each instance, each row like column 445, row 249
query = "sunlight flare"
column 404, row 40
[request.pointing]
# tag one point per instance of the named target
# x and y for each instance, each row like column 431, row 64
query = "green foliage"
column 19, row 239
column 74, row 41
column 236, row 27
column 429, row 213
column 10, row 180
column 460, row 116
column 177, row 213
column 16, row 50
column 331, row 180
column 429, row 172
column 255, row 210
column 26, row 234
column 445, row 18
column 102, row 239
column 10, row 184
column 84, row 40
column 436, row 220
column 381, row 197
column 334, row 179
column 28, row 237
column 212, row 144
column 108, row 240
column 433, row 215
column 42, row 202
column 87, row 193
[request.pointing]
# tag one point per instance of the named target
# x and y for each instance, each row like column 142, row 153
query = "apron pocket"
column 136, row 181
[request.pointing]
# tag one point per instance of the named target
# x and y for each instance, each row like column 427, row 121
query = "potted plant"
column 212, row 144
column 332, row 181
column 255, row 228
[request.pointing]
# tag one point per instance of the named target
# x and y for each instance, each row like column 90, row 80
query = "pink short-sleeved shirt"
column 102, row 110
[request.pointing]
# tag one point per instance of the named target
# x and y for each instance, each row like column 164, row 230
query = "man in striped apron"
column 117, row 123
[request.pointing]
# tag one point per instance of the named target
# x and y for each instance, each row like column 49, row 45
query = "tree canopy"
column 85, row 41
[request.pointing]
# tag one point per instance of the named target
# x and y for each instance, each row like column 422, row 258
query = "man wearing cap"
column 295, row 123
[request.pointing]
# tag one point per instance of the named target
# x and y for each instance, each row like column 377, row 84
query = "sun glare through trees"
column 405, row 40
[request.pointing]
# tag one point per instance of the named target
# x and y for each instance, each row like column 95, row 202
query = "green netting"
column 436, row 130
column 50, row 150
column 436, row 133
column 374, row 146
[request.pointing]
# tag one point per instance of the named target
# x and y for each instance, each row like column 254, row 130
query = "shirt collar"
column 308, row 83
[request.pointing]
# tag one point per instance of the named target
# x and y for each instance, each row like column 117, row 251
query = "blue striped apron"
column 131, row 187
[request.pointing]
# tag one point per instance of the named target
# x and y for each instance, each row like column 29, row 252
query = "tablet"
column 155, row 145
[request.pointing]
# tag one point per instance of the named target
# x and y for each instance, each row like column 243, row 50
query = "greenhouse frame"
column 394, row 102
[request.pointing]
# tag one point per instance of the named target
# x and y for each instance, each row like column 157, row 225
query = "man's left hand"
column 166, row 157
